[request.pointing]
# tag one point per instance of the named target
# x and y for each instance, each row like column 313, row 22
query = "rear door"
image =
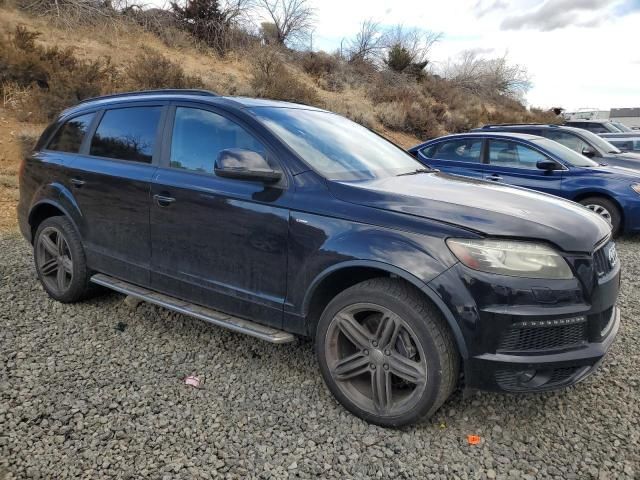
column 460, row 157
column 111, row 184
column 514, row 163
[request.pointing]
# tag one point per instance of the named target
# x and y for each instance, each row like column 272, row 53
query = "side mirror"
column 588, row 152
column 245, row 165
column 547, row 165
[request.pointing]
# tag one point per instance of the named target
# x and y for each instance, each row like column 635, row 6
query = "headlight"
column 507, row 257
column 636, row 187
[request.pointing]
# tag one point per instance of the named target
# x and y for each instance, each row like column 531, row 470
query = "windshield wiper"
column 416, row 172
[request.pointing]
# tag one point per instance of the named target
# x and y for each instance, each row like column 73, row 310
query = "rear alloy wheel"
column 606, row 209
column 60, row 260
column 387, row 357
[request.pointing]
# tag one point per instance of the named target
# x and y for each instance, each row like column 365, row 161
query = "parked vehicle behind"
column 274, row 220
column 597, row 126
column 540, row 164
column 581, row 141
column 626, row 144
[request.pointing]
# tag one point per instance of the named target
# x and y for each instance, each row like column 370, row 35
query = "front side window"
column 127, row 134
column 569, row 140
column 597, row 128
column 513, row 155
column 199, row 136
column 468, row 150
column 69, row 137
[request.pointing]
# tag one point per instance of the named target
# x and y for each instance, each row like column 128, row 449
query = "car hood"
column 486, row 208
column 626, row 159
column 618, row 172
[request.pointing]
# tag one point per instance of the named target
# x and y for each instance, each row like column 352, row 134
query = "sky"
column 579, row 53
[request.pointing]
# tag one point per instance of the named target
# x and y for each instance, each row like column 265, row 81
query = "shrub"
column 319, row 64
column 415, row 117
column 151, row 70
column 55, row 78
column 272, row 79
column 354, row 110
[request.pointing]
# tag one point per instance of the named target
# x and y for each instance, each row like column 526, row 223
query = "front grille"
column 519, row 338
column 513, row 380
column 601, row 259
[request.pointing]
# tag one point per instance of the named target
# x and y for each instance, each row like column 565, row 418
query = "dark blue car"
column 540, row 164
column 274, row 220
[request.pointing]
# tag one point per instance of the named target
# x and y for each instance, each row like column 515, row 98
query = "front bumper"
column 540, row 372
column 525, row 335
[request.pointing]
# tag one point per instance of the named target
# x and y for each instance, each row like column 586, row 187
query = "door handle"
column 163, row 201
column 77, row 182
column 494, row 177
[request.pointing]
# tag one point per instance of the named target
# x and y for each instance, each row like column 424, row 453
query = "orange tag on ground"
column 473, row 439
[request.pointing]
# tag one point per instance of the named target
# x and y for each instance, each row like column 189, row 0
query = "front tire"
column 386, row 353
column 60, row 260
column 607, row 210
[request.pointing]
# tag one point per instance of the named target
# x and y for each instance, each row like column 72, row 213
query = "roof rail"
column 492, row 125
column 177, row 91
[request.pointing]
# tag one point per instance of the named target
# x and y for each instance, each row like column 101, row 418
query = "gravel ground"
column 94, row 390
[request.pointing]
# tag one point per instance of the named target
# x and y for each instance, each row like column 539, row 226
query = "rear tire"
column 60, row 260
column 607, row 210
column 386, row 353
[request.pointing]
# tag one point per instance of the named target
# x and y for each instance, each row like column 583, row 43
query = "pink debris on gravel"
column 192, row 381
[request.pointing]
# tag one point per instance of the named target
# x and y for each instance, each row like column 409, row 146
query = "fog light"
column 526, row 376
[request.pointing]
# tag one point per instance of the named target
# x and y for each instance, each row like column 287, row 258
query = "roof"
column 509, row 126
column 590, row 120
column 205, row 96
column 484, row 133
column 624, row 112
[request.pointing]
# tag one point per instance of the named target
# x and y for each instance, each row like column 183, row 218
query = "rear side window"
column 127, row 134
column 69, row 136
column 468, row 150
column 200, row 135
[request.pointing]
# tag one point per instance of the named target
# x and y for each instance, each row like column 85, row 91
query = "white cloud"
column 582, row 61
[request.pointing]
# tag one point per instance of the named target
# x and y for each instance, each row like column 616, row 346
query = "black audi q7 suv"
column 275, row 220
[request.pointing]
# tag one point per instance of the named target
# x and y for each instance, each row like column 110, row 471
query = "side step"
column 208, row 315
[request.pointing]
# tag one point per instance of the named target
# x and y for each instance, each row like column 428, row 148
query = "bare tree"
column 409, row 47
column 292, row 19
column 367, row 43
column 488, row 76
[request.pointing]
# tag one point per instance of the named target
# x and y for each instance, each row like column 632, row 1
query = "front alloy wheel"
column 386, row 353
column 376, row 359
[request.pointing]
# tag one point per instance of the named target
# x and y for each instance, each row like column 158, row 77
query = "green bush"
column 151, row 70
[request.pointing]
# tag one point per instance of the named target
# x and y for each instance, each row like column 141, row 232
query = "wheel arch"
column 583, row 195
column 46, row 209
column 337, row 278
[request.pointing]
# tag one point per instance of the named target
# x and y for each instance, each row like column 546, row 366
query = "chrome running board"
column 208, row 315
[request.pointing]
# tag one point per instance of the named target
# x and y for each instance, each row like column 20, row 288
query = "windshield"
column 335, row 147
column 565, row 153
column 599, row 142
column 622, row 127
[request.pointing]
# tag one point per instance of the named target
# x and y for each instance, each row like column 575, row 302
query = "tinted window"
column 127, row 134
column 337, row 148
column 199, row 136
column 569, row 140
column 468, row 150
column 429, row 151
column 69, row 137
column 510, row 154
column 596, row 128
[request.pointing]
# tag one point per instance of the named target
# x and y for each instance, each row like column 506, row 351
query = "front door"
column 111, row 182
column 218, row 242
column 515, row 164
